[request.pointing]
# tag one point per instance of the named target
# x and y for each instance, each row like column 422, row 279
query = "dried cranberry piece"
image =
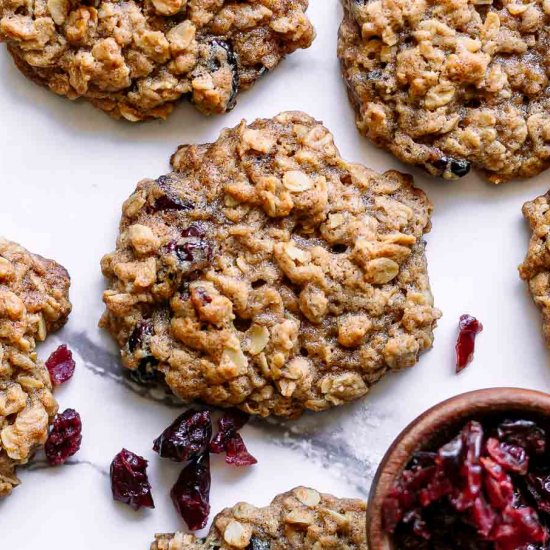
column 482, row 516
column 518, row 527
column 142, row 331
column 170, row 200
column 194, row 230
column 538, row 485
column 498, row 484
column 60, row 365
column 472, row 440
column 237, row 453
column 191, row 493
column 469, row 328
column 229, row 424
column 129, row 481
column 188, row 436
column 65, row 437
column 511, row 457
column 524, row 433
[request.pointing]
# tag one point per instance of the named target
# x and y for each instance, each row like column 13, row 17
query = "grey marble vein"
column 42, row 464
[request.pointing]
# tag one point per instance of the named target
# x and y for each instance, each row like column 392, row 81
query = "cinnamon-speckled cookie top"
column 300, row 519
column 34, row 301
column 137, row 59
column 535, row 269
column 449, row 84
column 267, row 273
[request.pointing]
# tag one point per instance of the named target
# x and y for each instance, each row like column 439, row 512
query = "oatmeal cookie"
column 535, row 269
column 300, row 519
column 267, row 273
column 136, row 59
column 449, row 84
column 34, row 301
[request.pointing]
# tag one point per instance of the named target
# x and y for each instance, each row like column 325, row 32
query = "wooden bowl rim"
column 451, row 411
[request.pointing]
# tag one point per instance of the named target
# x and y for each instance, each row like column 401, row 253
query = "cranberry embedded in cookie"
column 268, row 274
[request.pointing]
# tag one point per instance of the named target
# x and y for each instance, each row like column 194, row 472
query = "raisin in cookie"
column 300, row 519
column 267, row 273
column 135, row 59
column 34, row 301
column 450, row 84
column 536, row 267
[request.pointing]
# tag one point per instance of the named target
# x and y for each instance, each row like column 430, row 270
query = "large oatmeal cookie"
column 536, row 267
column 446, row 84
column 267, row 273
column 34, row 301
column 300, row 519
column 135, row 59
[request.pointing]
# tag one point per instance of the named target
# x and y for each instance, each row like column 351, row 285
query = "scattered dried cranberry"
column 65, row 437
column 191, row 493
column 229, row 424
column 129, row 482
column 188, row 436
column 469, row 328
column 60, row 365
column 487, row 489
column 237, row 453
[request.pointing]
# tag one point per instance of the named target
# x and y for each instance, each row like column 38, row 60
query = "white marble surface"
column 65, row 170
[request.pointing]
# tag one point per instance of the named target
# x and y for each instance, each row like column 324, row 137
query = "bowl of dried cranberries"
column 471, row 473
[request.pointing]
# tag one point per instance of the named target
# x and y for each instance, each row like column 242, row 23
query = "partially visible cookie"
column 300, row 519
column 450, row 84
column 535, row 269
column 34, row 301
column 136, row 59
column 267, row 273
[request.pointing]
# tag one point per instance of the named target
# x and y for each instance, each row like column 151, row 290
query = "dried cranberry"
column 170, row 200
column 472, row 440
column 142, row 331
column 194, row 230
column 188, row 436
column 497, row 484
column 538, row 485
column 60, row 365
column 511, row 457
column 482, row 516
column 524, row 433
column 518, row 527
column 129, row 481
column 65, row 437
column 237, row 453
column 476, row 492
column 469, row 328
column 229, row 424
column 191, row 493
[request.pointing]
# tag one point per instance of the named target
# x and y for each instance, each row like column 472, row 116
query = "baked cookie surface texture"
column 452, row 84
column 267, row 273
column 535, row 269
column 300, row 519
column 137, row 59
column 34, row 301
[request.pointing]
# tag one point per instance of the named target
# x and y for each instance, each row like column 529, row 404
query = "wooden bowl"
column 437, row 426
